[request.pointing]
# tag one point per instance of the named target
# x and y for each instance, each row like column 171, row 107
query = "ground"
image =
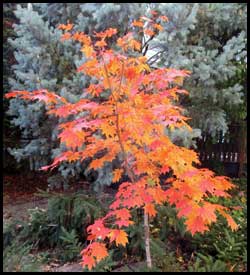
column 20, row 195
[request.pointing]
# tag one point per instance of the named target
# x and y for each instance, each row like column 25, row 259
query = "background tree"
column 11, row 135
column 40, row 63
column 209, row 40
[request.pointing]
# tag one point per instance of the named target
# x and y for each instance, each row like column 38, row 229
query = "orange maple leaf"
column 121, row 238
column 196, row 224
column 99, row 250
column 94, row 89
column 87, row 50
column 110, row 32
column 139, row 24
column 88, row 261
column 121, row 223
column 98, row 229
column 229, row 219
column 66, row 36
column 150, row 209
column 82, row 38
column 117, row 173
column 107, row 33
column 101, row 43
column 123, row 213
column 67, row 27
column 149, row 32
column 158, row 27
column 207, row 212
column 16, row 93
column 130, row 73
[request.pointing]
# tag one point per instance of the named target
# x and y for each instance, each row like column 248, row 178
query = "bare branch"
column 156, row 56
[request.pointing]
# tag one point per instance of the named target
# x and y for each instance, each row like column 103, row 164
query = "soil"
column 19, row 209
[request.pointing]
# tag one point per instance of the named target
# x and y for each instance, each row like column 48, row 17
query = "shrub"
column 17, row 258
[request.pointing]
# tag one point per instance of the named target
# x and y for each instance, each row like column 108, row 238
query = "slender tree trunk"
column 128, row 169
column 147, row 240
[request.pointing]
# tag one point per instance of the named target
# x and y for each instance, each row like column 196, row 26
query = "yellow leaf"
column 97, row 163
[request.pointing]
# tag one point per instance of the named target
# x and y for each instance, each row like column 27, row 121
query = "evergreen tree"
column 210, row 41
column 10, row 133
column 42, row 60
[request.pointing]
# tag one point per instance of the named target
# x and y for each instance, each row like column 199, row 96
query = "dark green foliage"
column 70, row 245
column 241, row 184
column 11, row 133
column 223, row 248
column 168, row 222
column 217, row 166
column 208, row 264
column 39, row 231
column 164, row 259
column 17, row 258
column 10, row 231
column 62, row 227
column 73, row 211
column 230, row 249
column 136, row 245
column 8, row 57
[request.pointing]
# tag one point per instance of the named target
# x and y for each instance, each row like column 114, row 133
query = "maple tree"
column 129, row 124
